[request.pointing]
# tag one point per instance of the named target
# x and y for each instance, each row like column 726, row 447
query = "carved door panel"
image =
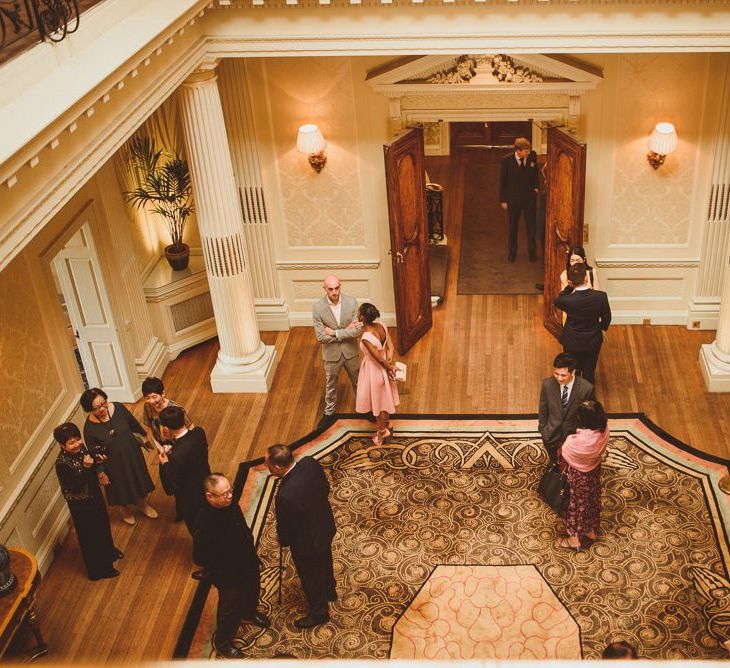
column 566, row 177
column 406, row 188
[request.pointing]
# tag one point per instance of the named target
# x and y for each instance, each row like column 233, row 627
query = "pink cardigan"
column 584, row 449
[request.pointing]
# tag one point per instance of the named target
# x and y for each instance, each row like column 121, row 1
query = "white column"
column 244, row 363
column 272, row 311
column 715, row 356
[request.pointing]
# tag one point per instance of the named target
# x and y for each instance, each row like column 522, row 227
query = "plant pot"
column 178, row 256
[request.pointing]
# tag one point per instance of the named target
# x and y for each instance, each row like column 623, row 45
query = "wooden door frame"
column 77, row 221
column 489, row 114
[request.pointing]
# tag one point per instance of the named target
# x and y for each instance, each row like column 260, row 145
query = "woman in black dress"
column 80, row 476
column 110, row 430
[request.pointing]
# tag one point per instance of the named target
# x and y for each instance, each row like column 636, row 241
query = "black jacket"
column 186, row 470
column 518, row 184
column 223, row 544
column 588, row 316
column 304, row 519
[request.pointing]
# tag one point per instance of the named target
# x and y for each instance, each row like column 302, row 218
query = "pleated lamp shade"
column 663, row 140
column 310, row 139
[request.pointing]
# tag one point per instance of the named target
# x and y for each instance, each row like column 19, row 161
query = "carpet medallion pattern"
column 449, row 494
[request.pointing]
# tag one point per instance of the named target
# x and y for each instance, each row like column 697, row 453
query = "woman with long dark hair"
column 574, row 256
column 582, row 452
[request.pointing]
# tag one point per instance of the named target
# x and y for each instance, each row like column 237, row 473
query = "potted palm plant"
column 164, row 186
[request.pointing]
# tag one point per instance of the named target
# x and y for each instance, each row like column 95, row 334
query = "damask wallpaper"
column 648, row 206
column 28, row 376
column 322, row 209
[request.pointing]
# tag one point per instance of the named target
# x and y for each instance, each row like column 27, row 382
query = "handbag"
column 554, row 489
column 400, row 371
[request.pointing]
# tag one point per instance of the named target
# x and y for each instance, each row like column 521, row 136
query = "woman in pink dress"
column 376, row 388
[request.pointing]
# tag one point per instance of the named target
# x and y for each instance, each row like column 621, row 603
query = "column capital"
column 206, row 71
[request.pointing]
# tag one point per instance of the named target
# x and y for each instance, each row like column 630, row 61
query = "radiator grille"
column 191, row 312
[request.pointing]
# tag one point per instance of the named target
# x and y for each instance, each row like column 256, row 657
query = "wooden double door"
column 406, row 190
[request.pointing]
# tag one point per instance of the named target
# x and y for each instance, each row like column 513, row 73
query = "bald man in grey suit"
column 337, row 329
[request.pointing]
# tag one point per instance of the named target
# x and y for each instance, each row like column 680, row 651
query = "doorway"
column 477, row 149
column 92, row 332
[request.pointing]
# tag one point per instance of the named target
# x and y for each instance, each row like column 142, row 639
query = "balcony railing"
column 24, row 23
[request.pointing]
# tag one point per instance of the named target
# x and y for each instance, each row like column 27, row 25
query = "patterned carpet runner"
column 445, row 551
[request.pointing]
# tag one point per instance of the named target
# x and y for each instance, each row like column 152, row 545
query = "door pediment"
column 484, row 73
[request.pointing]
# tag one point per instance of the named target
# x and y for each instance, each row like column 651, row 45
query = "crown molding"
column 648, row 263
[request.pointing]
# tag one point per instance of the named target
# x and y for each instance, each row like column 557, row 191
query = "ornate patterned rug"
column 445, row 551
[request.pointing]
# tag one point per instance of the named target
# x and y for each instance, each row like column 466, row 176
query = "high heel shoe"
column 563, row 542
column 380, row 435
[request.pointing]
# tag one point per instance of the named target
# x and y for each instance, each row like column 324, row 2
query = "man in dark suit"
column 305, row 523
column 588, row 316
column 559, row 399
column 518, row 187
column 184, row 465
column 223, row 546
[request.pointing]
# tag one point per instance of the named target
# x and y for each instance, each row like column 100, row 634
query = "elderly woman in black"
column 80, row 476
column 110, row 430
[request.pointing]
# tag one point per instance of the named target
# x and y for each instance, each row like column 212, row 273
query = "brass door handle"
column 399, row 258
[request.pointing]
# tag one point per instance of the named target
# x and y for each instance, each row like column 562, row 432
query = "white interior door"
column 82, row 284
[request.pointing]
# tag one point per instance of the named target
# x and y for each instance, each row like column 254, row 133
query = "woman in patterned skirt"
column 582, row 452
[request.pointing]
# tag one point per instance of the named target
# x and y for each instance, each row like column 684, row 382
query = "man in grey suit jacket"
column 337, row 329
column 559, row 399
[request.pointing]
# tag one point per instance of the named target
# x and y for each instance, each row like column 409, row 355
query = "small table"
column 16, row 608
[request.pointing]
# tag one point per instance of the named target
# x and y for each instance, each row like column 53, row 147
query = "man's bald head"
column 332, row 288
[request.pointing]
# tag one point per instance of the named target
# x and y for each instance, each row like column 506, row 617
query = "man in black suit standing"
column 588, row 316
column 559, row 399
column 223, row 545
column 184, row 465
column 305, row 523
column 518, row 188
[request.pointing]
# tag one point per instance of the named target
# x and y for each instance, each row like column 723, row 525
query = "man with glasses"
column 223, row 546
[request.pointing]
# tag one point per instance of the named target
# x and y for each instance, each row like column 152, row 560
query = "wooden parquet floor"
column 485, row 354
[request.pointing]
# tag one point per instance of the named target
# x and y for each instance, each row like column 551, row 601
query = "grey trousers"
column 332, row 371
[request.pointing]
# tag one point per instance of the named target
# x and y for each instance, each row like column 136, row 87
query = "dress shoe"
column 309, row 621
column 149, row 511
column 118, row 554
column 110, row 574
column 129, row 519
column 533, row 256
column 231, row 652
column 259, row 619
column 326, row 420
column 199, row 575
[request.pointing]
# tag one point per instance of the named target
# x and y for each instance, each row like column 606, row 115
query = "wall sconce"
column 662, row 142
column 311, row 142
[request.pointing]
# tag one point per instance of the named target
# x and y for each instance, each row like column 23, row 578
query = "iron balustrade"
column 25, row 22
